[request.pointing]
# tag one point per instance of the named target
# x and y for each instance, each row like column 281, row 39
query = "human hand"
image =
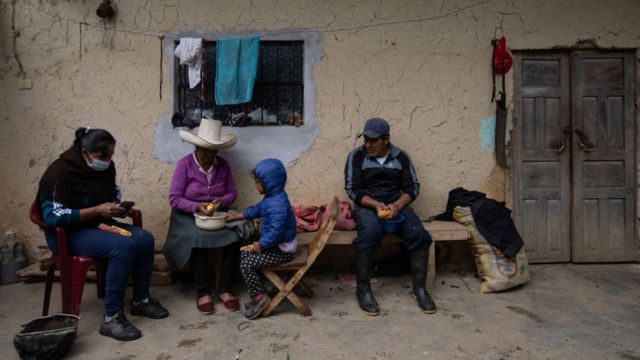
column 395, row 210
column 379, row 207
column 202, row 208
column 126, row 206
column 216, row 203
column 233, row 217
column 257, row 248
column 212, row 206
column 109, row 210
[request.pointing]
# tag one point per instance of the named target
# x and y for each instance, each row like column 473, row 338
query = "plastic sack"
column 192, row 118
column 498, row 272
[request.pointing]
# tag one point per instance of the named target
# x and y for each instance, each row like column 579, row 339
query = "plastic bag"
column 309, row 217
column 192, row 118
column 498, row 272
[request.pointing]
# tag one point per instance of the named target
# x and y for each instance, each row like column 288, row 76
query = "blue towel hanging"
column 236, row 69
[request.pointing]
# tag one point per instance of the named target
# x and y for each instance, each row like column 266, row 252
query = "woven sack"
column 498, row 272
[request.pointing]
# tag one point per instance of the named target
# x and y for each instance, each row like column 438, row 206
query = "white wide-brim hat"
column 210, row 136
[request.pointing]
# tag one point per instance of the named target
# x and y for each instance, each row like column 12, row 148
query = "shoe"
column 151, row 309
column 231, row 304
column 119, row 328
column 257, row 307
column 205, row 307
column 250, row 304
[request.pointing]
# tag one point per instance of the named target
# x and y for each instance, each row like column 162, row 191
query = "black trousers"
column 199, row 263
column 251, row 263
column 370, row 233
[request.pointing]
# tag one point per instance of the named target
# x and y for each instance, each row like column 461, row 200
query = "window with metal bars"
column 278, row 93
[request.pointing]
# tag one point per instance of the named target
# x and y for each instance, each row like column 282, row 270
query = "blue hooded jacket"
column 278, row 221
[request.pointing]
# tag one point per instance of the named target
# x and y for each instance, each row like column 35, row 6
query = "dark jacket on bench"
column 492, row 219
column 365, row 176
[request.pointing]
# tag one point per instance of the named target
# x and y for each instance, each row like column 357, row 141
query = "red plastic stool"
column 73, row 269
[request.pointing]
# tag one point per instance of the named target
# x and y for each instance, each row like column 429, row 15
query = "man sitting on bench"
column 380, row 176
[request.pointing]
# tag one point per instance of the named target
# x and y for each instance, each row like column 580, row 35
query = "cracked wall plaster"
column 422, row 65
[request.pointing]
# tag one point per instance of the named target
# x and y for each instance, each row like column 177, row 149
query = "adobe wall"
column 422, row 65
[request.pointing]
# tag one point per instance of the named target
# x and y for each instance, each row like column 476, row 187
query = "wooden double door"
column 573, row 163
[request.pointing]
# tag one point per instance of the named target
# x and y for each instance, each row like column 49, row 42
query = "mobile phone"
column 126, row 205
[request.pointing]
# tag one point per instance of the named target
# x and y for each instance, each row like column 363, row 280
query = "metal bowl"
column 215, row 222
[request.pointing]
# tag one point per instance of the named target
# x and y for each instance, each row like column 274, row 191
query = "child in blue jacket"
column 277, row 243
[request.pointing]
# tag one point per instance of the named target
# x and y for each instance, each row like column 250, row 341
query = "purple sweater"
column 189, row 185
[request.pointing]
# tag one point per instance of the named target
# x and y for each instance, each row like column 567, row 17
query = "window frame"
column 181, row 87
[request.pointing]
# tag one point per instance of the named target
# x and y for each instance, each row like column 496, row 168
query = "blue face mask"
column 99, row 165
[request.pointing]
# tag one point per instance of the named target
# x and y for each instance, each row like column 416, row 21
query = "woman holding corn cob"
column 78, row 191
column 203, row 183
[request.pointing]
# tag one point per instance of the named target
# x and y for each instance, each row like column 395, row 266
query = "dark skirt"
column 183, row 236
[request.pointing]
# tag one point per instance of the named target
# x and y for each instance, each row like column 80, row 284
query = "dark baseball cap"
column 375, row 128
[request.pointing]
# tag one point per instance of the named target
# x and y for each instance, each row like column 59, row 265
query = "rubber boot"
column 418, row 261
column 363, row 289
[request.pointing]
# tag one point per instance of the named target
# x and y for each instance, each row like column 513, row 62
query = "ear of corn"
column 115, row 229
column 122, row 231
column 385, row 213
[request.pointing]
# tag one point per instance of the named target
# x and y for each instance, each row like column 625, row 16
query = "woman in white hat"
column 202, row 178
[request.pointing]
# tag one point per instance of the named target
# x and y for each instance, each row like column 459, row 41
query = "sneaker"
column 151, row 309
column 256, row 307
column 252, row 301
column 119, row 328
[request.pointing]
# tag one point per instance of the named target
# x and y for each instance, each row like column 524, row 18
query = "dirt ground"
column 566, row 312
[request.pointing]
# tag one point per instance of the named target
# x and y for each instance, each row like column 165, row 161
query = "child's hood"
column 272, row 175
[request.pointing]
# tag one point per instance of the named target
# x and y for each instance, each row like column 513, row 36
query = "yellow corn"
column 115, row 229
column 385, row 213
column 121, row 231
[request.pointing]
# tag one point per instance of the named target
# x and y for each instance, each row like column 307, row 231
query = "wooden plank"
column 439, row 230
column 285, row 291
column 161, row 278
column 160, row 263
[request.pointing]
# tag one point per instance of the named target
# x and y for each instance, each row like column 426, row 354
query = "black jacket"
column 363, row 175
column 492, row 218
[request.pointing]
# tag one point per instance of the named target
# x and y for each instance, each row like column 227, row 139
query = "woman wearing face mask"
column 78, row 191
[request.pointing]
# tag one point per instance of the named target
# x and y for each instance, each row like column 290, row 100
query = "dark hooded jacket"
column 491, row 217
column 278, row 221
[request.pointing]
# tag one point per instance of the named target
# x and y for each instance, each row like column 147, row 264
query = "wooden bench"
column 439, row 230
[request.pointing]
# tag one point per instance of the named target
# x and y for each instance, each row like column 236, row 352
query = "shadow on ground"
column 566, row 312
